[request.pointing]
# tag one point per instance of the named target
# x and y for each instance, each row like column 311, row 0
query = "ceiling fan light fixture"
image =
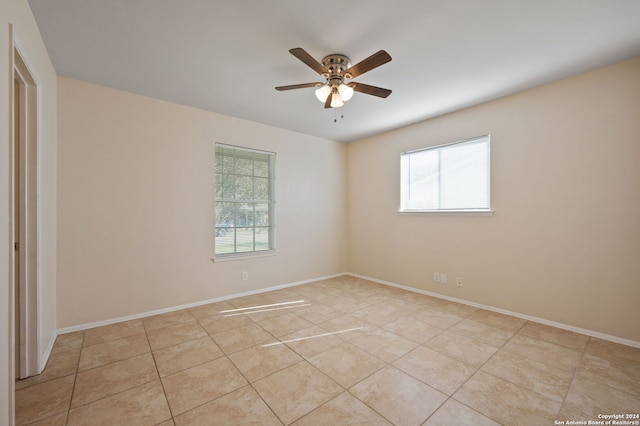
column 323, row 92
column 346, row 92
column 336, row 99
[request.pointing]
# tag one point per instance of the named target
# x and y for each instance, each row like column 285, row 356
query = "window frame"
column 271, row 202
column 454, row 211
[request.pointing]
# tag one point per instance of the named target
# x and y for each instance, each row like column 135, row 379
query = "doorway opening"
column 25, row 218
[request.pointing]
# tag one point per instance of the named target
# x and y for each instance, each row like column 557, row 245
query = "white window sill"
column 447, row 212
column 244, row 256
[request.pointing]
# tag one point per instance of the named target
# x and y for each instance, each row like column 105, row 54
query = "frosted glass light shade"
column 345, row 91
column 336, row 100
column 323, row 92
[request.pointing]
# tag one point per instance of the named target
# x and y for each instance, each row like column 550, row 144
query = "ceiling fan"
column 337, row 71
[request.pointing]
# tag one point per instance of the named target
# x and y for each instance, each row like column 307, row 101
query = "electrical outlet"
column 245, row 276
column 443, row 278
column 459, row 282
column 436, row 277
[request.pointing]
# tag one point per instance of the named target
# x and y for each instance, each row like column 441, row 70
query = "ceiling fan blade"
column 302, row 54
column 379, row 58
column 370, row 90
column 298, row 86
column 327, row 103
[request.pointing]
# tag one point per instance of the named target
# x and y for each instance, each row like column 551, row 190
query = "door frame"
column 27, row 290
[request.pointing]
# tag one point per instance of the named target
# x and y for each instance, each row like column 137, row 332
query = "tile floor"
column 341, row 351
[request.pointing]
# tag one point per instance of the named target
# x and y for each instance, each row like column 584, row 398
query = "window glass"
column 453, row 177
column 244, row 191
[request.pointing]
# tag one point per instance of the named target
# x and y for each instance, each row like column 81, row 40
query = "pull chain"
column 335, row 114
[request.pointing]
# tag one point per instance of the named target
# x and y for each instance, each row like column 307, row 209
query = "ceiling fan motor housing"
column 336, row 64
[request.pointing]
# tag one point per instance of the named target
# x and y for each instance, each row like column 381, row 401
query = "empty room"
column 301, row 213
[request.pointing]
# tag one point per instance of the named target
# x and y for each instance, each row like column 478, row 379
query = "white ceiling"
column 227, row 56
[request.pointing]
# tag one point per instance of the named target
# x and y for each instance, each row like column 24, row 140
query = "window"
column 244, row 200
column 453, row 177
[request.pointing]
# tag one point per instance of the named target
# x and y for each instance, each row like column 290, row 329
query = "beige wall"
column 564, row 242
column 135, row 218
column 17, row 26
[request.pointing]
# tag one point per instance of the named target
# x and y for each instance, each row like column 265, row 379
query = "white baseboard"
column 44, row 358
column 87, row 326
column 592, row 333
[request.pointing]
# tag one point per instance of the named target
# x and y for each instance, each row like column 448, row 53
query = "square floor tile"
column 495, row 319
column 286, row 323
column 550, row 354
column 43, row 400
column 455, row 308
column 619, row 374
column 370, row 295
column 295, row 391
column 240, row 407
column 383, row 344
column 60, row 364
column 55, row 420
column 277, row 309
column 169, row 319
column 436, row 317
column 186, row 355
column 174, row 334
column 569, row 412
column 242, row 337
column 112, row 332
column 195, row 386
column 399, row 397
column 593, row 398
column 453, row 413
column 219, row 323
column 379, row 314
column 530, row 374
column 311, row 341
column 401, row 305
column 260, row 361
column 490, row 335
column 318, row 313
column 420, row 299
column 251, row 302
column 344, row 409
column 68, row 342
column 505, row 402
column 314, row 291
column 613, row 352
column 112, row 351
column 346, row 364
column 112, row 378
column 209, row 310
column 412, row 329
column 440, row 371
column 142, row 405
column 384, row 289
column 283, row 295
column 346, row 323
column 564, row 338
column 346, row 304
column 465, row 349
